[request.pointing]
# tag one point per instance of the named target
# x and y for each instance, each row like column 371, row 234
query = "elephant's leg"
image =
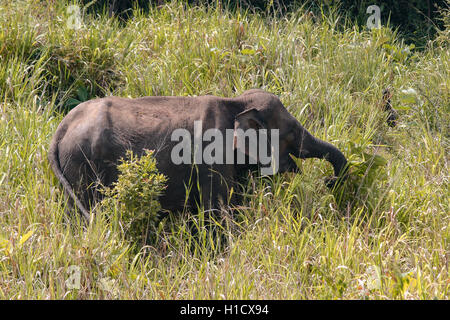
column 216, row 187
column 87, row 181
column 80, row 177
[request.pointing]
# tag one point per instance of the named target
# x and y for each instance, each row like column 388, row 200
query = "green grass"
column 384, row 235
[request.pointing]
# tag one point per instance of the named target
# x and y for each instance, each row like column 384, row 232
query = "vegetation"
column 134, row 197
column 383, row 235
column 416, row 20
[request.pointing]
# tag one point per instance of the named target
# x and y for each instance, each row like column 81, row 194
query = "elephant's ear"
column 247, row 120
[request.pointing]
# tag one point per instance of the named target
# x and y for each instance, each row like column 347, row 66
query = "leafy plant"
column 399, row 54
column 366, row 173
column 82, row 95
column 134, row 196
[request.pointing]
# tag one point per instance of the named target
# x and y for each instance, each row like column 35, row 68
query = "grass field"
column 383, row 235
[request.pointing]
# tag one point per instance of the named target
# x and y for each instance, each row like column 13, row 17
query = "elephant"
column 92, row 138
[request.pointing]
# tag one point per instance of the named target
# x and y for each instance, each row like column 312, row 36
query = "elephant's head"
column 264, row 110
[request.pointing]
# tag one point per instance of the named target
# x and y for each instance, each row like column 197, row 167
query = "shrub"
column 133, row 198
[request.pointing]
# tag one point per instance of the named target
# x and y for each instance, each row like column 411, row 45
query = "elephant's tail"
column 53, row 158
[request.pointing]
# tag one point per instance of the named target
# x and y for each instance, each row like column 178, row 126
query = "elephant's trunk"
column 313, row 147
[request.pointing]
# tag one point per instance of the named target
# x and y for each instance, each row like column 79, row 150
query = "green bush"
column 134, row 196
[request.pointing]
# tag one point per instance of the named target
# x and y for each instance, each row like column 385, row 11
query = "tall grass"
column 384, row 235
